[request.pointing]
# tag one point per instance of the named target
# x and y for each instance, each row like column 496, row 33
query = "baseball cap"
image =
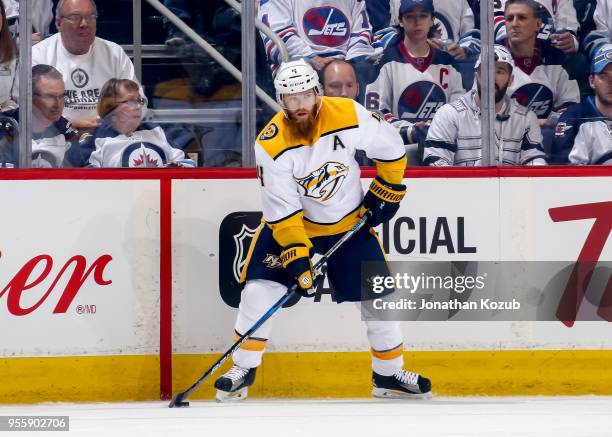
column 405, row 5
column 502, row 54
column 602, row 58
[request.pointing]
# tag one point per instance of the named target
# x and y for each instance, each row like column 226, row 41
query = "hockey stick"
column 179, row 399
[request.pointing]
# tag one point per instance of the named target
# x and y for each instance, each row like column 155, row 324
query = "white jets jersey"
column 413, row 89
column 145, row 148
column 315, row 183
column 541, row 83
column 455, row 135
column 556, row 15
column 338, row 28
column 452, row 18
column 84, row 75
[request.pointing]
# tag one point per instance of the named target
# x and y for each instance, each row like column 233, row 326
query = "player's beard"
column 303, row 128
column 499, row 93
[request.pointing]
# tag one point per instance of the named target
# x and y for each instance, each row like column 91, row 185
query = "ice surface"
column 470, row 416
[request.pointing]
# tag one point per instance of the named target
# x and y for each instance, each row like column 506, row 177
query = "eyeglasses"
column 76, row 18
column 50, row 98
column 133, row 102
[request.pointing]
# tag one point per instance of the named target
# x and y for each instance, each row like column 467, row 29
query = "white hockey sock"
column 387, row 347
column 257, row 298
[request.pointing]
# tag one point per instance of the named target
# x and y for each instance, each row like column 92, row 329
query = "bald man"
column 339, row 80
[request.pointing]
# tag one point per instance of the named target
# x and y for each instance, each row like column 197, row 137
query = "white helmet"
column 295, row 77
column 502, row 54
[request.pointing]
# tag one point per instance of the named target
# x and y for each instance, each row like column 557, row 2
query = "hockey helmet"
column 295, row 77
column 502, row 54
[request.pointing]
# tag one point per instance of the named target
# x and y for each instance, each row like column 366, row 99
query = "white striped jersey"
column 338, row 28
column 455, row 135
column 312, row 185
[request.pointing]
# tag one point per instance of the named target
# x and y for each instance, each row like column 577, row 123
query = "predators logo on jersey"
column 324, row 182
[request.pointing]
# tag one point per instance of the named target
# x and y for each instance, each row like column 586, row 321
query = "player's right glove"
column 383, row 200
column 296, row 261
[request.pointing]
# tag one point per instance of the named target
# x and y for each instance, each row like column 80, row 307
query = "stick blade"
column 178, row 402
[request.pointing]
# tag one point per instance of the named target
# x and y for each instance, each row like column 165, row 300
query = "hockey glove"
column 296, row 261
column 382, row 200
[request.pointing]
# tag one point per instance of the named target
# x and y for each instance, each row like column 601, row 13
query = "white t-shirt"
column 84, row 75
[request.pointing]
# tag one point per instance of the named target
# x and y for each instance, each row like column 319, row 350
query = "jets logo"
column 143, row 155
column 324, row 182
column 537, row 97
column 269, row 133
column 442, row 28
column 326, row 26
column 79, row 77
column 420, row 101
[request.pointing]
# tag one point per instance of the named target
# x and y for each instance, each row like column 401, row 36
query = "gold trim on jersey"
column 247, row 260
column 392, row 171
column 314, row 229
column 336, row 114
column 252, row 344
column 290, row 230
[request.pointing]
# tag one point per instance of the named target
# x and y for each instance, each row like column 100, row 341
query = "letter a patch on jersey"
column 338, row 143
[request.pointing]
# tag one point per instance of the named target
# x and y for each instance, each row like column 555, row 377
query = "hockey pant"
column 259, row 295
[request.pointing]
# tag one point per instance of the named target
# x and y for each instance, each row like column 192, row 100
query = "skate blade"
column 386, row 393
column 234, row 396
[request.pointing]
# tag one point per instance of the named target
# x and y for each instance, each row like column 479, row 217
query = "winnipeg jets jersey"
column 84, row 75
column 452, row 18
column 585, row 134
column 555, row 15
column 144, row 148
column 455, row 135
column 541, row 83
column 412, row 89
column 338, row 28
column 311, row 186
column 603, row 28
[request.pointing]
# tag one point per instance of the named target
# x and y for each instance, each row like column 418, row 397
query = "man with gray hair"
column 85, row 61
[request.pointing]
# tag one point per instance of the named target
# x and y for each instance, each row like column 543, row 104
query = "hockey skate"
column 402, row 385
column 234, row 385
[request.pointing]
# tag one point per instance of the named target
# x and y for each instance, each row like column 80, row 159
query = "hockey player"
column 311, row 195
column 454, row 137
column 541, row 82
column 121, row 140
column 586, row 129
column 415, row 78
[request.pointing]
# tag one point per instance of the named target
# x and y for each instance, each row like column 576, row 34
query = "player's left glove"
column 296, row 261
column 383, row 200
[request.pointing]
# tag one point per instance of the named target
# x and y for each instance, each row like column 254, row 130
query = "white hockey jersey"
column 603, row 28
column 556, row 15
column 412, row 89
column 144, row 148
column 311, row 186
column 338, row 28
column 455, row 135
column 452, row 18
column 585, row 133
column 84, row 75
column 541, row 83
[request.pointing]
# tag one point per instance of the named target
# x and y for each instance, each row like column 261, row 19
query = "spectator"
column 603, row 27
column 559, row 23
column 121, row 140
column 585, row 130
column 52, row 134
column 319, row 30
column 455, row 135
column 9, row 83
column 339, row 80
column 85, row 61
column 541, row 81
column 42, row 15
column 415, row 78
